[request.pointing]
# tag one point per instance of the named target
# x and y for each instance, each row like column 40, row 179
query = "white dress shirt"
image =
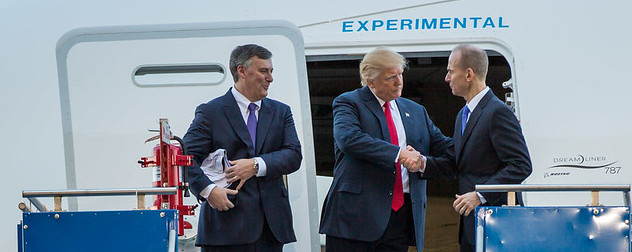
column 401, row 137
column 472, row 105
column 242, row 103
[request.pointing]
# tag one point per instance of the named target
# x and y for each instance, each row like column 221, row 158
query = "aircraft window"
column 179, row 75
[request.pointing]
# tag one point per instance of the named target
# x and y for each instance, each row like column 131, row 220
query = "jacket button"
column 390, row 193
column 394, row 172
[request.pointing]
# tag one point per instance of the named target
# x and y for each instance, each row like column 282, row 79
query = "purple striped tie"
column 252, row 123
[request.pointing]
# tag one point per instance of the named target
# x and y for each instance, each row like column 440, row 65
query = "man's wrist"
column 206, row 192
column 423, row 164
column 255, row 166
column 481, row 198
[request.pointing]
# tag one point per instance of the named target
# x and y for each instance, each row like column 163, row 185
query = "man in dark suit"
column 489, row 147
column 374, row 203
column 260, row 140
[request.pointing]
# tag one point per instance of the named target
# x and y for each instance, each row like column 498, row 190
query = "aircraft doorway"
column 330, row 76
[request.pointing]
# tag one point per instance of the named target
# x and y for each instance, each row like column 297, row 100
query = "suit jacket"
column 491, row 150
column 358, row 204
column 219, row 124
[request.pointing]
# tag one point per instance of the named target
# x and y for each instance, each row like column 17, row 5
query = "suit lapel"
column 374, row 106
column 458, row 137
column 263, row 124
column 471, row 123
column 404, row 114
column 233, row 115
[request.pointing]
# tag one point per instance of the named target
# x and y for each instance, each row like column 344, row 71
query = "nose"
column 269, row 77
column 447, row 77
column 400, row 80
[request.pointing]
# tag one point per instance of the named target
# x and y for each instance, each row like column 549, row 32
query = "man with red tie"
column 374, row 203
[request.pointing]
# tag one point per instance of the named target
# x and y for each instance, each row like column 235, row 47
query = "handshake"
column 411, row 159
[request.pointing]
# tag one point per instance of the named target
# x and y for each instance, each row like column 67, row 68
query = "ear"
column 469, row 74
column 370, row 83
column 241, row 72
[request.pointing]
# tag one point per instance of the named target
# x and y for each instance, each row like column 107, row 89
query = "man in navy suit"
column 374, row 203
column 489, row 147
column 260, row 139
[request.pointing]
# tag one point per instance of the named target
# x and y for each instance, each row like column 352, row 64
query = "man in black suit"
column 489, row 147
column 260, row 139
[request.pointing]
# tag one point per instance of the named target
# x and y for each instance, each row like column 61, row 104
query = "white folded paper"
column 214, row 165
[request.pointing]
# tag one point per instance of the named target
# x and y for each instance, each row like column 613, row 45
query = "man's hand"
column 241, row 169
column 411, row 159
column 218, row 199
column 466, row 203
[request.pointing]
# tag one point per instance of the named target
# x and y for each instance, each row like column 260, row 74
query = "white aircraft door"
column 116, row 82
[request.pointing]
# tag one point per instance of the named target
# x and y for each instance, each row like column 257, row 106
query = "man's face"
column 256, row 78
column 388, row 84
column 456, row 76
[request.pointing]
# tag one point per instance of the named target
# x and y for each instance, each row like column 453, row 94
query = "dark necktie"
column 252, row 124
column 466, row 112
column 398, row 190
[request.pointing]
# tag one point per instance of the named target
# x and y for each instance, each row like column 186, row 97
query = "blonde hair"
column 377, row 60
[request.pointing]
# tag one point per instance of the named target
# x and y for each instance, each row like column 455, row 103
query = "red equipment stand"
column 170, row 164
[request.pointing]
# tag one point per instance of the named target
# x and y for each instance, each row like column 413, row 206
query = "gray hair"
column 474, row 58
column 377, row 60
column 242, row 55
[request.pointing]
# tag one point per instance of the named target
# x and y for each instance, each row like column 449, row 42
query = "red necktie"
column 398, row 190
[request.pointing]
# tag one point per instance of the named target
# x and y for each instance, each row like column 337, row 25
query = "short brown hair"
column 241, row 55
